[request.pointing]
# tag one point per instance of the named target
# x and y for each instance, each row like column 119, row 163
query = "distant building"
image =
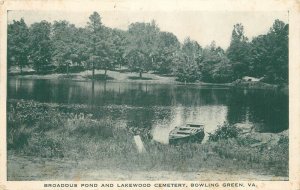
column 252, row 79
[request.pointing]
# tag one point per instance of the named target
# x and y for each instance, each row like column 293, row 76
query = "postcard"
column 150, row 95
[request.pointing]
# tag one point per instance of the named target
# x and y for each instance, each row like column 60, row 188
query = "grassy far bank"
column 117, row 75
column 68, row 139
column 149, row 77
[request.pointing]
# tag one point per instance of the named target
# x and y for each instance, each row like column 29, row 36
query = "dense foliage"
column 60, row 46
column 224, row 131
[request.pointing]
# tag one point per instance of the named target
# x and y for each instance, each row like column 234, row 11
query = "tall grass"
column 46, row 130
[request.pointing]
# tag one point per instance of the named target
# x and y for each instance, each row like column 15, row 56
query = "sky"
column 202, row 26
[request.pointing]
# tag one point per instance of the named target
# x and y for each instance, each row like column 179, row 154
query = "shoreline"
column 131, row 77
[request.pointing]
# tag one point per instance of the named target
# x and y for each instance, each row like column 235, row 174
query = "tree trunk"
column 21, row 69
column 105, row 74
column 93, row 71
column 68, row 69
column 93, row 93
column 104, row 87
column 141, row 74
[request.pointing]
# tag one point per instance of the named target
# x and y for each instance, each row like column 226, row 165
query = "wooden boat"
column 187, row 133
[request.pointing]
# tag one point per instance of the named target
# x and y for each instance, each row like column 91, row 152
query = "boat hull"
column 196, row 138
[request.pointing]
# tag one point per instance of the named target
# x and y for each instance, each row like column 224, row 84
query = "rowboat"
column 187, row 133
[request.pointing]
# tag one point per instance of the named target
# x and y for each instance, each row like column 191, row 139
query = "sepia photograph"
column 147, row 95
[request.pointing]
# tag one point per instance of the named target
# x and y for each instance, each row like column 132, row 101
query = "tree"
column 167, row 46
column 40, row 45
column 62, row 39
column 142, row 43
column 188, row 61
column 120, row 43
column 108, row 50
column 279, row 35
column 18, row 48
column 215, row 66
column 82, row 45
column 94, row 27
column 238, row 51
column 269, row 54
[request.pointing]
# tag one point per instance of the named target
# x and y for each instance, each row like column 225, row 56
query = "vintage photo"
column 147, row 95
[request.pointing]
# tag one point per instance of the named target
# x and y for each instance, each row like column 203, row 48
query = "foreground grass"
column 48, row 131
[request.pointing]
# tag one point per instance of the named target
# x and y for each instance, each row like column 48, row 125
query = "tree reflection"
column 140, row 105
column 266, row 109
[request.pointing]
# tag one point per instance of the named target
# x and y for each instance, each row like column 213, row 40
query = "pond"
column 161, row 107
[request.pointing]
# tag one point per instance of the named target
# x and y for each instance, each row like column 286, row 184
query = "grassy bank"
column 70, row 134
column 118, row 75
column 149, row 77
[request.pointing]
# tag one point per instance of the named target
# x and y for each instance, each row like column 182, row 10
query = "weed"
column 224, row 131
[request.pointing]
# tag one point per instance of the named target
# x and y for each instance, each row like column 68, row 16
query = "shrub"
column 92, row 128
column 44, row 146
column 17, row 136
column 283, row 140
column 72, row 69
column 187, row 74
column 224, row 131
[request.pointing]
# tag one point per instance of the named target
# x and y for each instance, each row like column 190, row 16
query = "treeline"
column 62, row 47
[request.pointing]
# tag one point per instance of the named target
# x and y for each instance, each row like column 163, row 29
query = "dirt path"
column 25, row 168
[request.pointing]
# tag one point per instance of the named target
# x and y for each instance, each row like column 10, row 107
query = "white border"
column 292, row 6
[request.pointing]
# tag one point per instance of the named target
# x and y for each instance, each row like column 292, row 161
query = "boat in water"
column 187, row 133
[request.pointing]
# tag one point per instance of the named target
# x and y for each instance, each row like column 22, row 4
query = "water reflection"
column 268, row 110
column 211, row 116
column 161, row 107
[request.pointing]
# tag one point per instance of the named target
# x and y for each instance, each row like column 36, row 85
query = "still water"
column 161, row 107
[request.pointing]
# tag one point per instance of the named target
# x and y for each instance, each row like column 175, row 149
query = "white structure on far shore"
column 252, row 79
